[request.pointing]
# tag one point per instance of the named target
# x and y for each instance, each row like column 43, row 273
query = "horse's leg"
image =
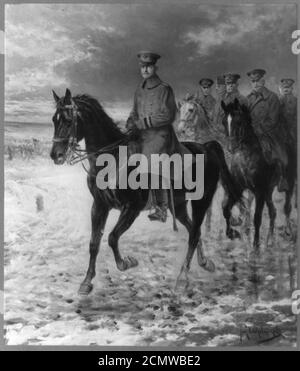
column 208, row 219
column 260, row 201
column 247, row 225
column 199, row 208
column 227, row 206
column 296, row 197
column 292, row 178
column 98, row 215
column 126, row 218
column 272, row 216
column 288, row 208
column 182, row 215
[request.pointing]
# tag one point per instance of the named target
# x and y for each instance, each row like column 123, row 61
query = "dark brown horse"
column 251, row 171
column 83, row 118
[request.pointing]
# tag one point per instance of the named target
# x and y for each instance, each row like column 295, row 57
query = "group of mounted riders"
column 273, row 118
column 263, row 127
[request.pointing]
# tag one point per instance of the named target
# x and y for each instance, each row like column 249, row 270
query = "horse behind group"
column 83, row 118
column 252, row 172
column 194, row 123
column 245, row 160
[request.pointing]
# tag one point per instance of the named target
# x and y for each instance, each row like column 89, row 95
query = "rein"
column 74, row 153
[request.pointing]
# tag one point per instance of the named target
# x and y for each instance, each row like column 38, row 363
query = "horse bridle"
column 74, row 153
column 186, row 121
column 72, row 138
column 198, row 106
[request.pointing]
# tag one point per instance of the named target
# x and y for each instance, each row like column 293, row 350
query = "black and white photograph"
column 150, row 175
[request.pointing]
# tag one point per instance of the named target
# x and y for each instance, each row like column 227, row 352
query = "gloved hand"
column 132, row 130
column 130, row 124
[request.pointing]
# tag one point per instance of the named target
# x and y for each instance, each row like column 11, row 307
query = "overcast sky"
column 92, row 49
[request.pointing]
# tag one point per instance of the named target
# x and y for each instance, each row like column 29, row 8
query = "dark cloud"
column 94, row 47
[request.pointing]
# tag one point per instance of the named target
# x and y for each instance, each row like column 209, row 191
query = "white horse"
column 195, row 124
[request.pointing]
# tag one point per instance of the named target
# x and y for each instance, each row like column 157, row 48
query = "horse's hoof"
column 85, row 288
column 288, row 231
column 209, row 266
column 127, row 263
column 236, row 222
column 182, row 284
column 233, row 234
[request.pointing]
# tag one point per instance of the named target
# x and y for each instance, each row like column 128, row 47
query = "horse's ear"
column 55, row 96
column 68, row 96
column 223, row 105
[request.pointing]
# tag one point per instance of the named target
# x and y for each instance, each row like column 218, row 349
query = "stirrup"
column 160, row 214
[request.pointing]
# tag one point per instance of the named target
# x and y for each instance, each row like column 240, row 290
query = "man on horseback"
column 153, row 113
column 232, row 90
column 227, row 91
column 288, row 111
column 264, row 108
column 205, row 98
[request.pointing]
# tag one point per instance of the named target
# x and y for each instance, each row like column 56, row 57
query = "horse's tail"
column 230, row 185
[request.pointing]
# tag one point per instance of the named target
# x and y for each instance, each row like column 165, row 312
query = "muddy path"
column 47, row 225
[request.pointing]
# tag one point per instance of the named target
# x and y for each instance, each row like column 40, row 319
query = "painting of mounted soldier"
column 159, row 207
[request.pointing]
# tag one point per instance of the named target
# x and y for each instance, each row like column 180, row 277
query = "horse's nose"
column 52, row 154
column 57, row 155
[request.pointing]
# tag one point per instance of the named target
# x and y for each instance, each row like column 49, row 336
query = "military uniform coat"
column 288, row 115
column 154, row 111
column 264, row 108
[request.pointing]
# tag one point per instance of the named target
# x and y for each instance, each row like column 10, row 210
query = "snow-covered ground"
column 47, row 229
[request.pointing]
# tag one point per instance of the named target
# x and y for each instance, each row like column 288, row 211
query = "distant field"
column 28, row 140
column 21, row 130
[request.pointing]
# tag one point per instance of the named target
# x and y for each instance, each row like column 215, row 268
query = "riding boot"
column 161, row 207
column 282, row 184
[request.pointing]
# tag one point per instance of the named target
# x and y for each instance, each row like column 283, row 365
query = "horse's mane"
column 90, row 105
